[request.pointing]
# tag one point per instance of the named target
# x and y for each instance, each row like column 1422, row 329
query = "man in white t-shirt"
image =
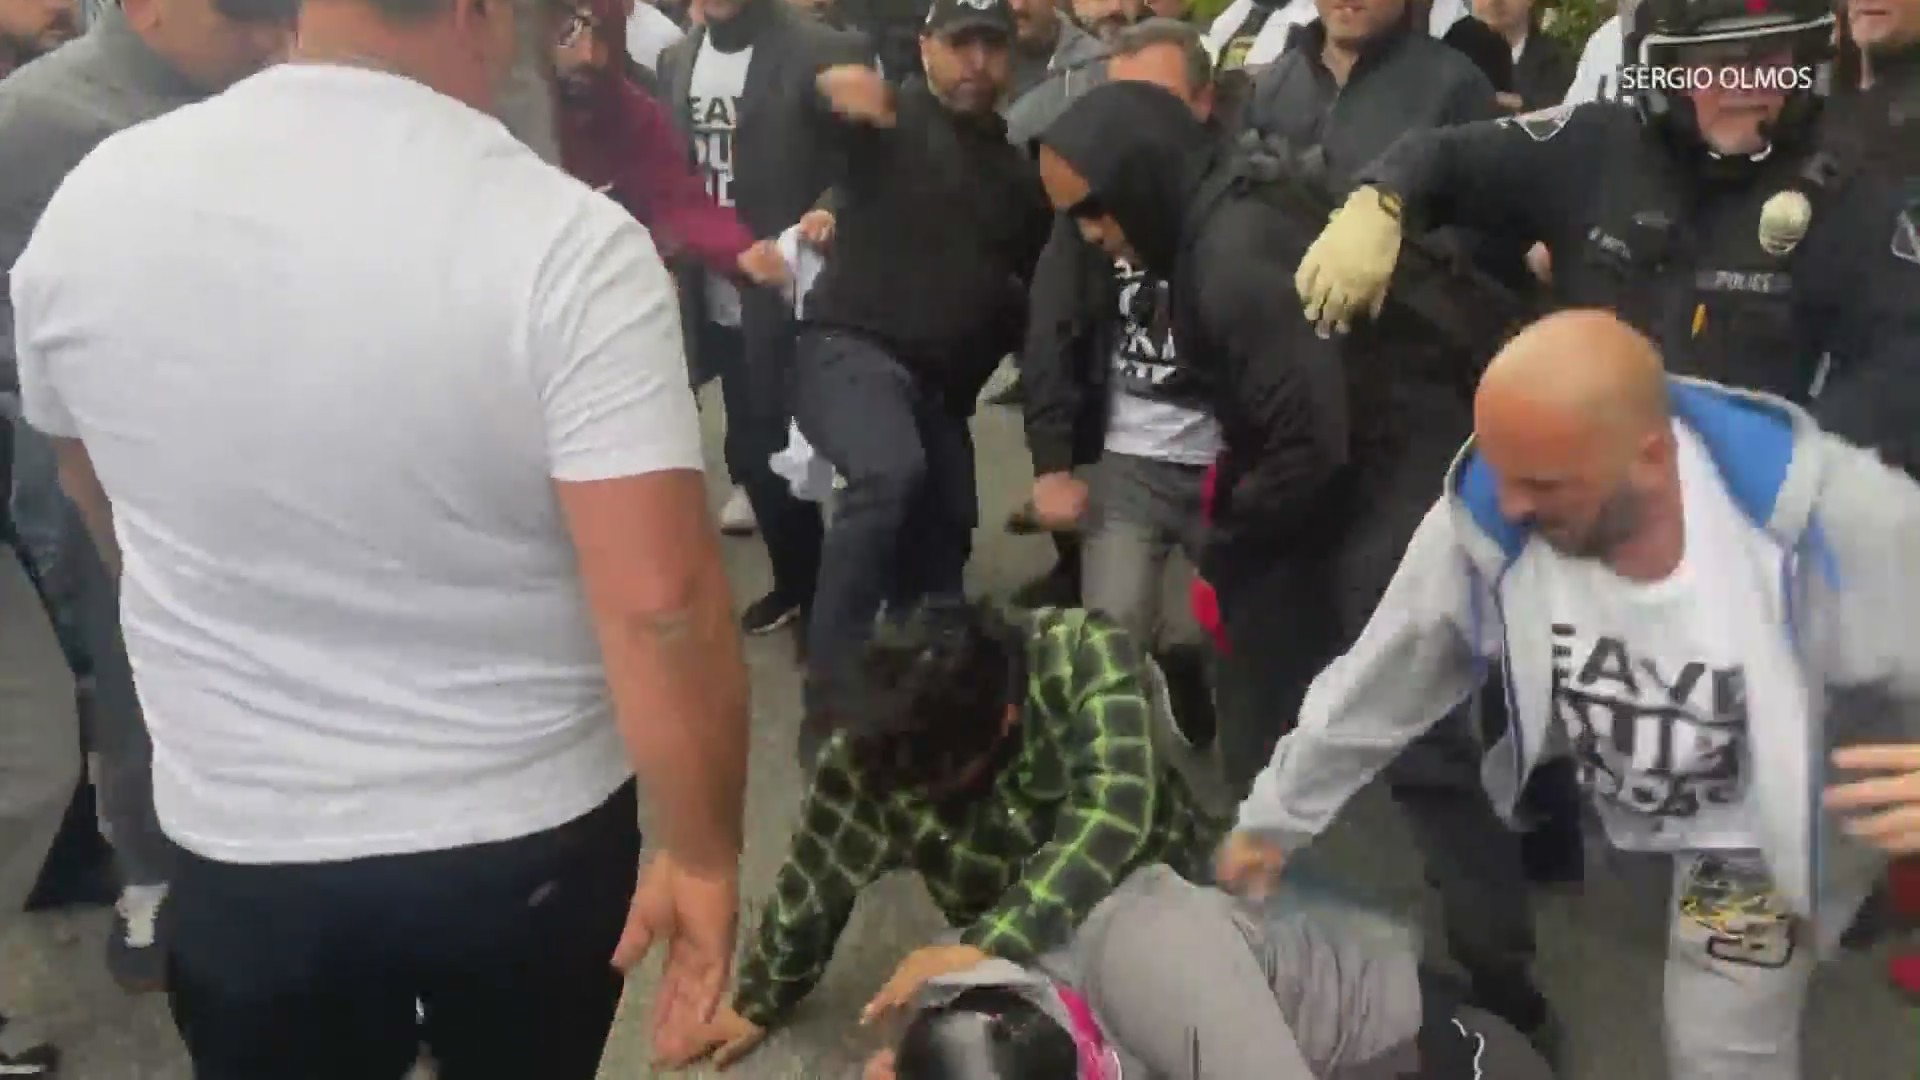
column 385, row 425
column 1716, row 600
column 1597, row 76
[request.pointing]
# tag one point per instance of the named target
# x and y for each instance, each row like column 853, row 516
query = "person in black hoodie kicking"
column 1308, row 519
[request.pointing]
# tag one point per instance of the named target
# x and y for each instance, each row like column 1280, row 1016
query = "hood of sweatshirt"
column 1143, row 155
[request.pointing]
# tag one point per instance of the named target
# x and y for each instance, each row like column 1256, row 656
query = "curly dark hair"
column 988, row 1033
column 929, row 696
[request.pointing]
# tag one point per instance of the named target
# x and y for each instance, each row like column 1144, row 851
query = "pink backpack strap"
column 1097, row 1062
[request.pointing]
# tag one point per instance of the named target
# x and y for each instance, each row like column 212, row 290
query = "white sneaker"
column 736, row 517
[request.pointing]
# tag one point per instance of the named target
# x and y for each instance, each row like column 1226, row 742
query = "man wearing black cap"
column 939, row 223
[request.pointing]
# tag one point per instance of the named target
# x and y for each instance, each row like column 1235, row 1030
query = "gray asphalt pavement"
column 1600, row 952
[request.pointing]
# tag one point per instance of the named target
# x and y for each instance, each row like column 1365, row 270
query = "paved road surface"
column 1600, row 953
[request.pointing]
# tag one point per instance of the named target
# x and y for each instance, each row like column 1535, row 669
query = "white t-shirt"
column 1232, row 46
column 719, row 78
column 327, row 371
column 1443, row 14
column 649, row 33
column 1142, row 426
column 1597, row 78
column 1651, row 681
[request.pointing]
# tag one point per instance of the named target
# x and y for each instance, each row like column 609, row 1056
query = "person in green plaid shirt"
column 1011, row 763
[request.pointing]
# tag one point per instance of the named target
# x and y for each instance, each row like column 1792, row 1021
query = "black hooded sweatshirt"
column 1281, row 394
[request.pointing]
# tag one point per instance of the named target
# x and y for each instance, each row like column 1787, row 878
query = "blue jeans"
column 903, row 528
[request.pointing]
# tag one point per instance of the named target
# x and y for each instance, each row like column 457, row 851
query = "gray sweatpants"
column 1198, row 988
column 1141, row 510
column 39, row 735
column 1732, row 1008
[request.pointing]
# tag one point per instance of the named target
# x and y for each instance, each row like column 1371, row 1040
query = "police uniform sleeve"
column 1524, row 175
column 1871, row 334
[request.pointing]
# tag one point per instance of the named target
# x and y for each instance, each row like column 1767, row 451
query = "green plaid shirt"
column 1083, row 801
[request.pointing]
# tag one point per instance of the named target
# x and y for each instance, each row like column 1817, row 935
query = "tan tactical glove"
column 1346, row 270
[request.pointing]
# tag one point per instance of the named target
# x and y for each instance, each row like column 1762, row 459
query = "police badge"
column 1783, row 222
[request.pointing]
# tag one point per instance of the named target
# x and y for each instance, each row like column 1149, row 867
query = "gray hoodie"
column 1187, row 984
column 1848, row 532
column 1078, row 64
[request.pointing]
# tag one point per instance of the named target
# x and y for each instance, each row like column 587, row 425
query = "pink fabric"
column 1200, row 595
column 1097, row 1062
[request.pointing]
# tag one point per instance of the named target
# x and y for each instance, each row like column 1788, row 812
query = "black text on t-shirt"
column 714, row 121
column 1661, row 738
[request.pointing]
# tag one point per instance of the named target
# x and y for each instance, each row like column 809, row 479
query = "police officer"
column 1682, row 208
column 1870, row 141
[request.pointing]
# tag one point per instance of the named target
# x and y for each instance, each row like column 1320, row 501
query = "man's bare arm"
column 650, row 565
column 82, row 485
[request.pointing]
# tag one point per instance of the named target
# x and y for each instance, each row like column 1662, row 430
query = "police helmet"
column 1674, row 45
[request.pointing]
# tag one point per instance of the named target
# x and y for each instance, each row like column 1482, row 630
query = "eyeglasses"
column 578, row 25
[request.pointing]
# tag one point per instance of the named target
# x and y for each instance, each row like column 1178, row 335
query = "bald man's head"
column 1572, row 418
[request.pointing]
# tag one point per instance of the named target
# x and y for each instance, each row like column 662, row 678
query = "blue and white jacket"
column 1466, row 593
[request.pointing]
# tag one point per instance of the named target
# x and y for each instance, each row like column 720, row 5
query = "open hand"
column 1886, row 806
column 728, row 1037
column 914, row 972
column 1248, row 866
column 696, row 916
column 762, row 265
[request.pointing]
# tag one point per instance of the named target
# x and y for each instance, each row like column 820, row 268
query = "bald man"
column 1701, row 594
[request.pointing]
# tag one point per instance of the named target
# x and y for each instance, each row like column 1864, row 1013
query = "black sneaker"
column 136, row 952
column 37, row 1060
column 1055, row 588
column 767, row 614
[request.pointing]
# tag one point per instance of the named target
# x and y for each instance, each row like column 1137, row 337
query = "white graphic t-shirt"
column 1651, row 679
column 1140, row 425
column 719, row 78
column 1251, row 36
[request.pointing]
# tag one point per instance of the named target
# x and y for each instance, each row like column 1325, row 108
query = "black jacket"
column 1865, row 267
column 1656, row 230
column 1544, row 71
column 1285, row 400
column 1405, row 81
column 1067, row 365
column 939, row 223
column 784, row 157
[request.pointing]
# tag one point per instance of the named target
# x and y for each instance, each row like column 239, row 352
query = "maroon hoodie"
column 621, row 140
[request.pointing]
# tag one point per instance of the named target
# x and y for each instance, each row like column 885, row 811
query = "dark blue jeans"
column 311, row 971
column 904, row 525
column 757, row 414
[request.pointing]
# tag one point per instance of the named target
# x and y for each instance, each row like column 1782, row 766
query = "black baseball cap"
column 947, row 17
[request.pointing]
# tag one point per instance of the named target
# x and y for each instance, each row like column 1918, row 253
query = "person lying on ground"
column 1014, row 764
column 1177, row 981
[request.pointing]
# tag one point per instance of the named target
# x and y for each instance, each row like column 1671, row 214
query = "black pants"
column 1287, row 618
column 312, row 971
column 904, row 526
column 758, row 411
